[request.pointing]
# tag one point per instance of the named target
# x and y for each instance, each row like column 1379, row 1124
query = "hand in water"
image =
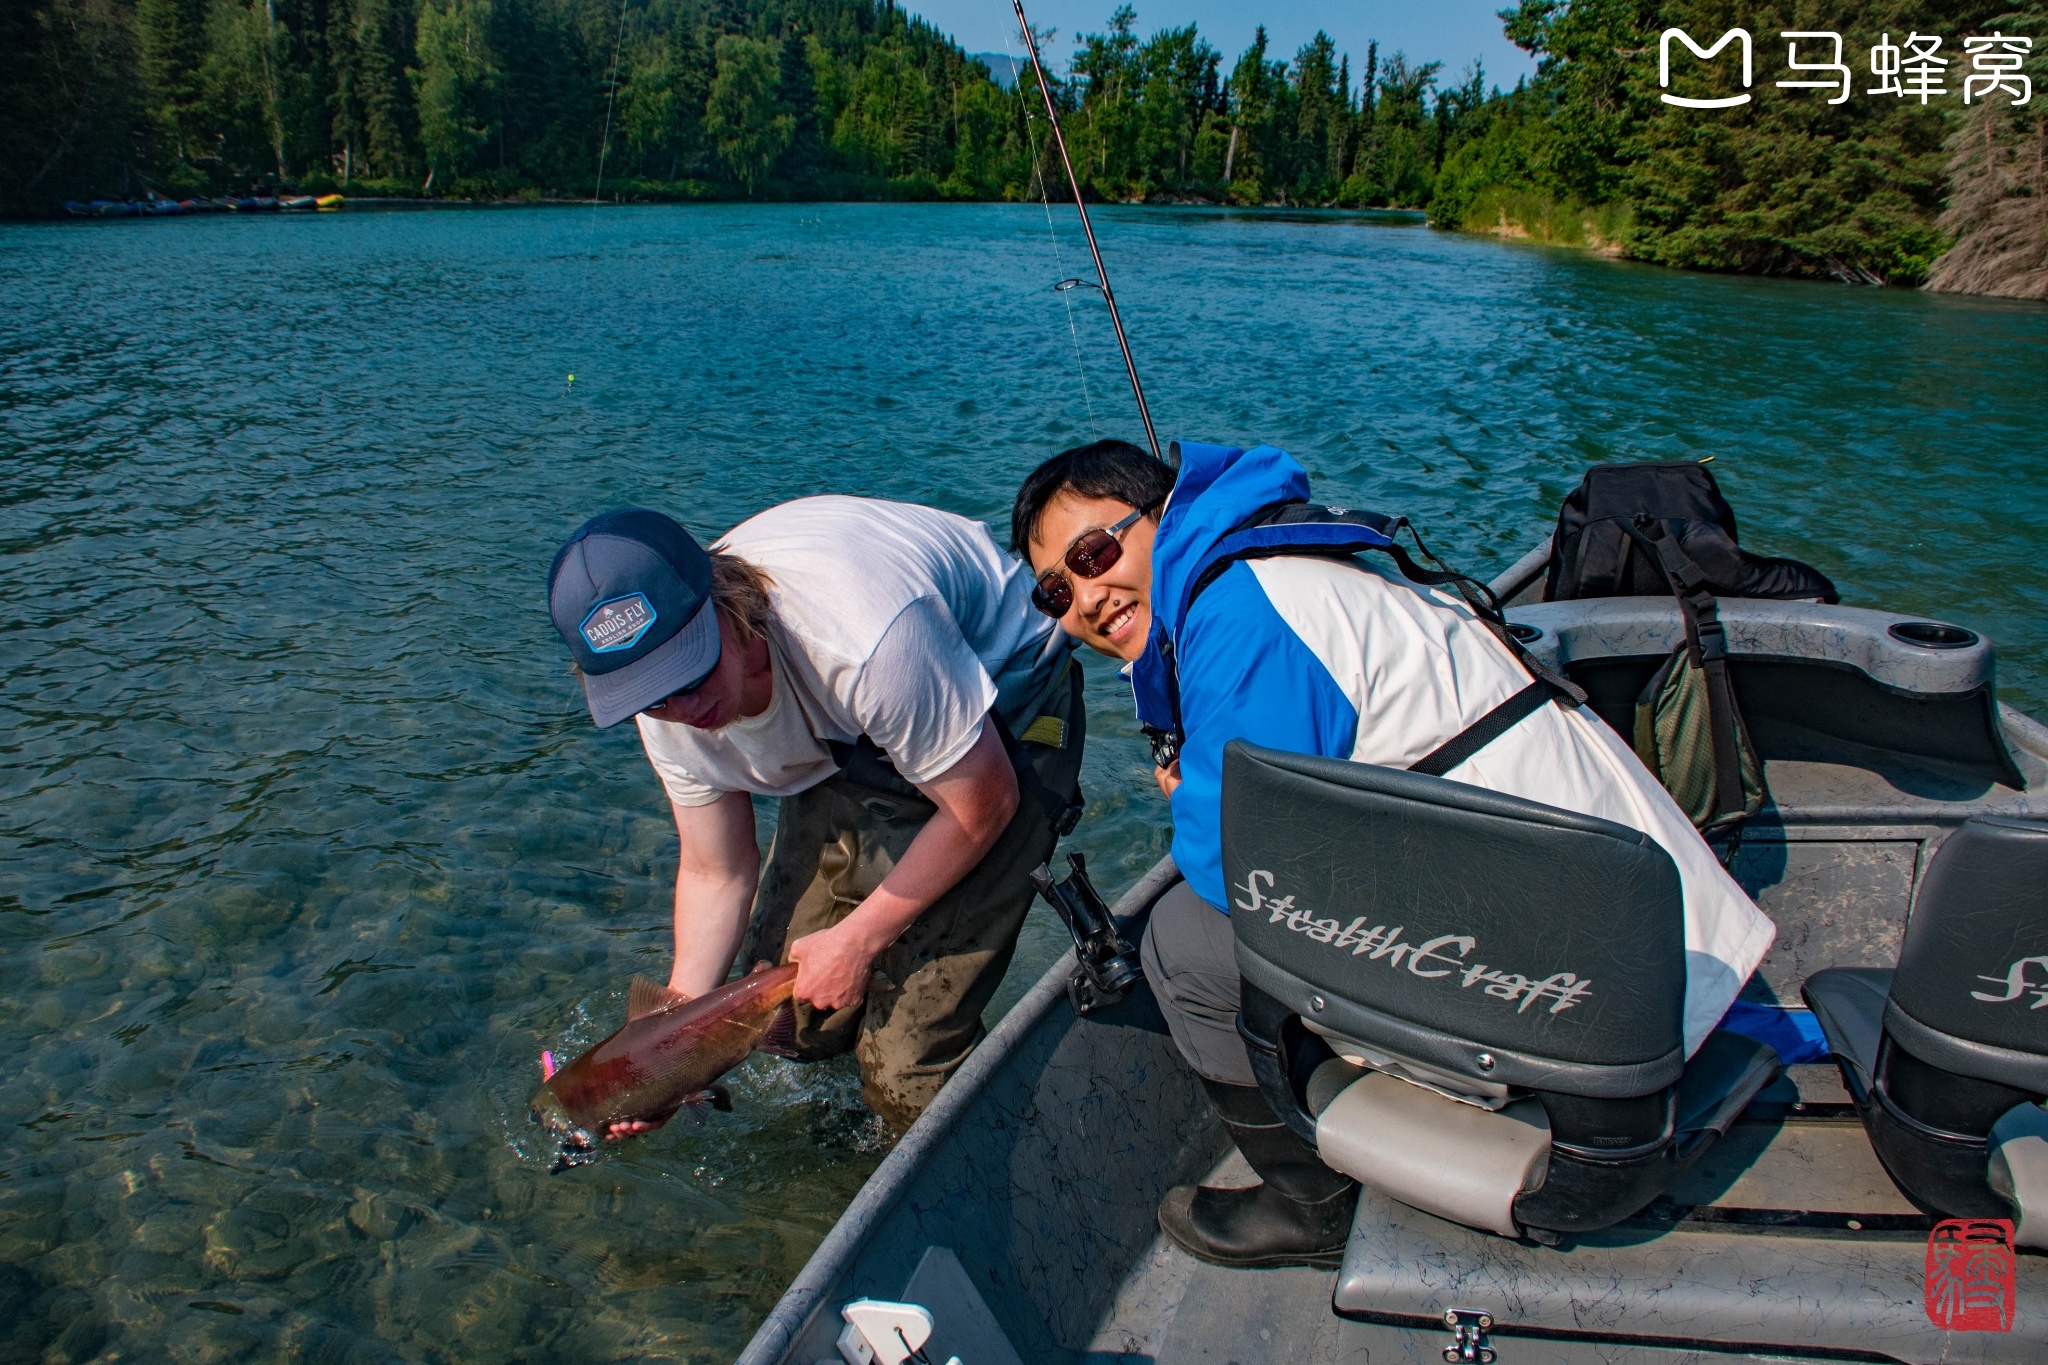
column 630, row 1128
column 833, row 966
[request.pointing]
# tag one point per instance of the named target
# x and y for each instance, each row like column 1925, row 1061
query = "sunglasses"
column 1093, row 554
column 680, row 691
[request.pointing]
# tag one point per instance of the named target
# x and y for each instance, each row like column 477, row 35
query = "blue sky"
column 1455, row 32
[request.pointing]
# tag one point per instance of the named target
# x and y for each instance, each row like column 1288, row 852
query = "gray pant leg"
column 1190, row 957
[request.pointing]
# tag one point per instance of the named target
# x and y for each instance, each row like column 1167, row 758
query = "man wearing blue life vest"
column 877, row 667
column 1315, row 655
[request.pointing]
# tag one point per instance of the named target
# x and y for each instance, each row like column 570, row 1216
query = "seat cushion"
column 1437, row 1154
column 2018, row 1170
column 1849, row 1002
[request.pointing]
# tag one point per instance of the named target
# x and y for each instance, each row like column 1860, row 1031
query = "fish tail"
column 570, row 1156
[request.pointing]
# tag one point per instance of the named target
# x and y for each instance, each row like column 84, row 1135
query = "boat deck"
column 1042, row 1164
column 1799, row 1147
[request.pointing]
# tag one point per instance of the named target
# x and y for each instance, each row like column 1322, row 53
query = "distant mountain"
column 1002, row 66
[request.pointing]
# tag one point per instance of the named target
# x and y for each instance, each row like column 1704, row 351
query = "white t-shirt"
column 1418, row 669
column 898, row 622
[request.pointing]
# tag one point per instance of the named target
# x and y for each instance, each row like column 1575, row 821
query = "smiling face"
column 1111, row 614
column 741, row 684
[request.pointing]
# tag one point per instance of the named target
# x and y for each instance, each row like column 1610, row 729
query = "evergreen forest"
column 1873, row 189
column 859, row 99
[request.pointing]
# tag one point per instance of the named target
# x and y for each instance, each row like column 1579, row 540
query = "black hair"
column 1100, row 469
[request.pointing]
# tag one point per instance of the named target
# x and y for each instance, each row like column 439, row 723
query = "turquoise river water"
column 308, row 848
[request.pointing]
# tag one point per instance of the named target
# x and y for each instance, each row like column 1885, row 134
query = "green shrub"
column 1532, row 215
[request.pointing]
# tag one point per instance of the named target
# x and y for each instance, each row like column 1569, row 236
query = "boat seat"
column 1804, row 674
column 1503, row 980
column 1946, row 1055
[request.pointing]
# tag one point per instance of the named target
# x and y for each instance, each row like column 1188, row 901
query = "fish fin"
column 764, row 965
column 780, row 1038
column 700, row 1105
column 645, row 996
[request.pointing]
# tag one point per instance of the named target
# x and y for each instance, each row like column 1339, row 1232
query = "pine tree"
column 373, row 113
column 1250, row 110
column 171, row 36
column 68, row 116
column 452, row 82
column 745, row 121
column 1997, row 209
column 1315, row 118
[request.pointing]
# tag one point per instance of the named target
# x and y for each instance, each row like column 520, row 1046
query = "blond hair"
column 741, row 590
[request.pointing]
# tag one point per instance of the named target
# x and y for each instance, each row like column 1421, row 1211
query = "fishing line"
column 1059, row 138
column 604, row 141
column 1064, row 286
column 604, row 145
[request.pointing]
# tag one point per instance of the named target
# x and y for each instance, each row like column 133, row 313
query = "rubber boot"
column 1299, row 1215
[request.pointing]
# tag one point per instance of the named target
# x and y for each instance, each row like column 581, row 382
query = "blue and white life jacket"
column 1300, row 527
column 1366, row 663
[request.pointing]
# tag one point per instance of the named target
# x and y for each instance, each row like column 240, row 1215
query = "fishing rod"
column 1102, row 276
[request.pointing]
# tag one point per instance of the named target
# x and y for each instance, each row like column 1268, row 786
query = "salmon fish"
column 667, row 1056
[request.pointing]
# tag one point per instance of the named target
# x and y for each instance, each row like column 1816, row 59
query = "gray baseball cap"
column 630, row 594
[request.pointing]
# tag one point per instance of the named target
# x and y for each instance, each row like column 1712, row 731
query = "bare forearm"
column 716, row 872
column 975, row 800
column 710, row 920
column 942, row 853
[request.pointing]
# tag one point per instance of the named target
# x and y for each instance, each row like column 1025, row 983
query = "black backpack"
column 1593, row 555
column 1656, row 529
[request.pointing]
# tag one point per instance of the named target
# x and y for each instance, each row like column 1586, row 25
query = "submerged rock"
column 378, row 1217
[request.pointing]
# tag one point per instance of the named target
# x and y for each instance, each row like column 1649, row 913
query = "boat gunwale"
column 878, row 1195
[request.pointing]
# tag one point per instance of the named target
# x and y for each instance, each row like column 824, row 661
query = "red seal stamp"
column 1971, row 1274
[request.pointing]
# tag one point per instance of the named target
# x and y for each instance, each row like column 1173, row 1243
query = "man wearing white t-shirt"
column 878, row 667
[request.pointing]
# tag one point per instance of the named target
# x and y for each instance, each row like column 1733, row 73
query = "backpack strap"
column 1485, row 730
column 1283, row 528
column 1340, row 534
column 1488, row 609
column 1708, row 640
